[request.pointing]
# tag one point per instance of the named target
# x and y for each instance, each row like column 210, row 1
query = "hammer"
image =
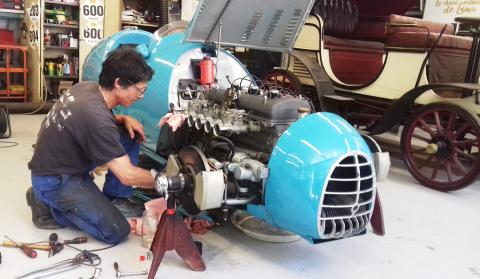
column 119, row 274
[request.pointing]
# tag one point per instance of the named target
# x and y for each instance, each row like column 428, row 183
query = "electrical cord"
column 44, row 102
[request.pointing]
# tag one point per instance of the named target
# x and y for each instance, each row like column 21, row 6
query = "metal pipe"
column 199, row 122
column 240, row 201
column 190, row 121
column 207, row 127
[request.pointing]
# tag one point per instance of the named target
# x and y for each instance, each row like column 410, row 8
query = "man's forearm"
column 119, row 119
column 139, row 177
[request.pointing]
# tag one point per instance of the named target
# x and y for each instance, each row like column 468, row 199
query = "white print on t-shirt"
column 52, row 116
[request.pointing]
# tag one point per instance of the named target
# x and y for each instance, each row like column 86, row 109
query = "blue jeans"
column 76, row 201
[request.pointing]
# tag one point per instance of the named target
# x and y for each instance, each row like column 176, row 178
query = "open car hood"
column 267, row 25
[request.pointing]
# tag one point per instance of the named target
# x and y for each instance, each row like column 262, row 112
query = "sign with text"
column 92, row 14
column 33, row 12
column 447, row 10
column 93, row 9
column 92, row 33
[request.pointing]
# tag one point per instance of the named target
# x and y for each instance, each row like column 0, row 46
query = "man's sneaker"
column 41, row 215
column 128, row 208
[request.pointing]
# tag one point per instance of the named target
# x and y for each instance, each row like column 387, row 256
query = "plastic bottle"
column 71, row 42
column 149, row 227
column 66, row 67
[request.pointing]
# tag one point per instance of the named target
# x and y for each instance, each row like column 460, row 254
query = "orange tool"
column 8, row 243
column 28, row 251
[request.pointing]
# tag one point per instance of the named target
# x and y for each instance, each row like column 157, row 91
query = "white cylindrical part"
column 199, row 122
column 207, row 127
column 190, row 121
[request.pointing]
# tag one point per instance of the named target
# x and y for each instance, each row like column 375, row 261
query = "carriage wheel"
column 284, row 78
column 440, row 145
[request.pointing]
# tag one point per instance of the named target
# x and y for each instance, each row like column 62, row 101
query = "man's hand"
column 173, row 120
column 132, row 126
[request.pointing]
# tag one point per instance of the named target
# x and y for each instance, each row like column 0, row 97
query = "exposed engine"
column 236, row 129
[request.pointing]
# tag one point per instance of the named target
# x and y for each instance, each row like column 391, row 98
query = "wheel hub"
column 441, row 147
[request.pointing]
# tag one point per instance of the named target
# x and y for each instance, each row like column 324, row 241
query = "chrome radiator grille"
column 347, row 202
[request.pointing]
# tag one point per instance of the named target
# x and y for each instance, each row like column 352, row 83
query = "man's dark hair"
column 126, row 64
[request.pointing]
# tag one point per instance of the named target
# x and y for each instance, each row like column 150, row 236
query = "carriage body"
column 394, row 73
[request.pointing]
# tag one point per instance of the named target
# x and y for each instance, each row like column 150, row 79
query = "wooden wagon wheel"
column 284, row 78
column 322, row 82
column 441, row 146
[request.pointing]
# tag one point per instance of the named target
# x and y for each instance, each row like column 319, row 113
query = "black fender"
column 323, row 84
column 400, row 108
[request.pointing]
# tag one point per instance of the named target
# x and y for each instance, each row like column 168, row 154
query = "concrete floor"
column 428, row 235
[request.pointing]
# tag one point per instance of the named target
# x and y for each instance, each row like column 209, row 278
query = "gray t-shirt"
column 78, row 133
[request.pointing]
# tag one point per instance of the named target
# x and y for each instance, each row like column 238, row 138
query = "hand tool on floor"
column 54, row 246
column 28, row 251
column 84, row 258
column 76, row 240
column 8, row 243
column 96, row 274
column 120, row 274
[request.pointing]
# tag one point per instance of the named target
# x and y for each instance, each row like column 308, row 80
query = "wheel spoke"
column 462, row 130
column 450, row 121
column 459, row 165
column 424, row 163
column 435, row 170
column 426, row 128
column 465, row 154
column 448, row 168
column 437, row 121
column 465, row 143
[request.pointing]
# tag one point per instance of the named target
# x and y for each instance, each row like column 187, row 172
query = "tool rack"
column 8, row 69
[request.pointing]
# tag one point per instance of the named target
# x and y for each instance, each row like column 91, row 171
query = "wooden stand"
column 172, row 234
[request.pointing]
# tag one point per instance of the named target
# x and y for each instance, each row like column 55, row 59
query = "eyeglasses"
column 140, row 92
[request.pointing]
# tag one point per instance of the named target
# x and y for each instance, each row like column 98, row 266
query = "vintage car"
column 246, row 145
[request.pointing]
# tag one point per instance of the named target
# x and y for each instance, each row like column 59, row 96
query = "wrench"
column 120, row 274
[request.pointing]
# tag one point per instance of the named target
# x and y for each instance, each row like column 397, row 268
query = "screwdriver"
column 76, row 240
column 28, row 251
column 8, row 243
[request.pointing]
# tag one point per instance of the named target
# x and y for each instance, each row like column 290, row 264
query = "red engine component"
column 207, row 76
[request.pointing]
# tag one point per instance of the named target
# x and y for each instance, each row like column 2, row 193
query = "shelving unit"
column 140, row 6
column 13, row 58
column 14, row 91
column 11, row 14
column 60, row 31
column 61, row 26
column 61, row 3
column 125, row 23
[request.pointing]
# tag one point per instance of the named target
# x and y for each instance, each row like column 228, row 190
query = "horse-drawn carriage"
column 385, row 72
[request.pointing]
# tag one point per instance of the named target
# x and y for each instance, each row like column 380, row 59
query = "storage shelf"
column 61, row 25
column 139, row 24
column 62, row 77
column 61, row 48
column 13, row 70
column 11, row 14
column 61, row 3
